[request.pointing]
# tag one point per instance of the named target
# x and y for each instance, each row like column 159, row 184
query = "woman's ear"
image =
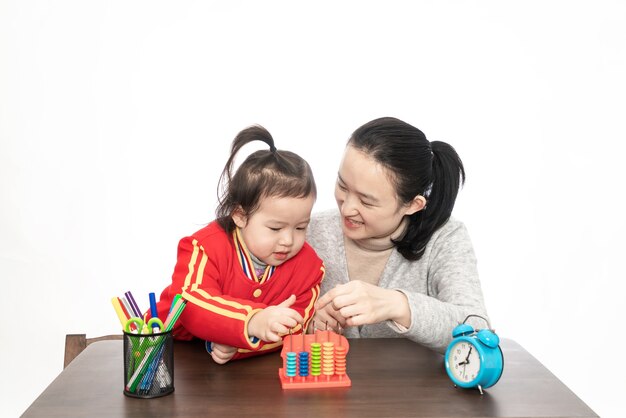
column 418, row 203
column 239, row 217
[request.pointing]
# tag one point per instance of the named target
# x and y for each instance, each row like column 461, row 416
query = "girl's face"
column 367, row 198
column 276, row 231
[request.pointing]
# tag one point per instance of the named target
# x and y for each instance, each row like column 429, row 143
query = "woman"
column 397, row 264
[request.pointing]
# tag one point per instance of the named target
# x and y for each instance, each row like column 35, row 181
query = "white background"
column 116, row 117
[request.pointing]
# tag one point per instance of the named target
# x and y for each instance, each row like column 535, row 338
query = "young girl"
column 397, row 264
column 249, row 277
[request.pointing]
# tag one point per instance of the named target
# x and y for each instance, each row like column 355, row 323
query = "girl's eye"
column 275, row 229
column 341, row 187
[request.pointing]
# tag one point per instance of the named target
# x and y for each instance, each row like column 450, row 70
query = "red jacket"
column 221, row 298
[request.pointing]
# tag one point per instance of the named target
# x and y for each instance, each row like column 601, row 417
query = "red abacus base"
column 331, row 361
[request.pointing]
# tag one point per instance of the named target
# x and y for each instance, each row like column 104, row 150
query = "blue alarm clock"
column 474, row 358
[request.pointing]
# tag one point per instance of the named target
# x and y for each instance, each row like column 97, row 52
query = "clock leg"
column 480, row 389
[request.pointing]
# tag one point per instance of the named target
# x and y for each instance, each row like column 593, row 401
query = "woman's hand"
column 358, row 303
column 327, row 317
column 272, row 322
column 221, row 353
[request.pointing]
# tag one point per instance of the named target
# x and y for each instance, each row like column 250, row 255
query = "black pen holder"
column 148, row 364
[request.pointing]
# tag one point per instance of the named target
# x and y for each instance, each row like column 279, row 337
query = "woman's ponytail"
column 448, row 175
column 419, row 167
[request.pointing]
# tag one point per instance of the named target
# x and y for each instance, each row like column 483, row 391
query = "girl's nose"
column 286, row 238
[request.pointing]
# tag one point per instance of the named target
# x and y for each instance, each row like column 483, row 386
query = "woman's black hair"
column 265, row 173
column 416, row 167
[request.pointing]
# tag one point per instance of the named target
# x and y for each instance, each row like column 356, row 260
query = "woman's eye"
column 369, row 205
column 275, row 229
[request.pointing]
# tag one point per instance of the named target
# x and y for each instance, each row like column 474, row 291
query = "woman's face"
column 367, row 198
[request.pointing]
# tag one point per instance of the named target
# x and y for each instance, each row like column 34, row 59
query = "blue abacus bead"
column 304, row 363
column 290, row 366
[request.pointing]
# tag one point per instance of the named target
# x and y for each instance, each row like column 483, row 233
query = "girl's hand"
column 362, row 303
column 222, row 353
column 271, row 322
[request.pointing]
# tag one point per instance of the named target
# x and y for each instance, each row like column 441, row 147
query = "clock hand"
column 466, row 361
column 468, row 354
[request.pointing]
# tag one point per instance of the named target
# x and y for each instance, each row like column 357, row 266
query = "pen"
column 153, row 308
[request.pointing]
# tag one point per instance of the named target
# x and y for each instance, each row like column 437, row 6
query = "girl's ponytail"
column 253, row 133
column 264, row 173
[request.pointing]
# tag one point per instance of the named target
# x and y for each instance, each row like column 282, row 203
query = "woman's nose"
column 347, row 206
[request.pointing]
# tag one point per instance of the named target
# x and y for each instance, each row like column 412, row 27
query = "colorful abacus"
column 314, row 361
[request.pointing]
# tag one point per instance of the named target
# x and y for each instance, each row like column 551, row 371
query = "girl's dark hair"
column 416, row 167
column 265, row 173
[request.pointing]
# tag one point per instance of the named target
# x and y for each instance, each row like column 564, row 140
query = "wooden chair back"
column 76, row 343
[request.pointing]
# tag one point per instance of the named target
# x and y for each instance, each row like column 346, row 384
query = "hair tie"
column 272, row 148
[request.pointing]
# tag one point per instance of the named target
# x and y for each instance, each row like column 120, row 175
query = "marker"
column 145, row 324
column 153, row 309
column 119, row 310
column 133, row 304
column 140, row 370
column 173, row 316
column 174, row 302
column 126, row 314
column 127, row 306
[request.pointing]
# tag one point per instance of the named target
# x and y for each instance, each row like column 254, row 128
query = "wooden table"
column 390, row 377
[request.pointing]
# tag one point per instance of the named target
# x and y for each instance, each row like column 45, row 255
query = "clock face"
column 464, row 361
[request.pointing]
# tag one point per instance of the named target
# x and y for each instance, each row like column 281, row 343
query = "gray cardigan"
column 442, row 287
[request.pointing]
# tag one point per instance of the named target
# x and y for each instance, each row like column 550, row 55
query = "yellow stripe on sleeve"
column 226, row 313
column 200, row 273
column 192, row 263
column 315, row 293
column 212, row 308
column 223, row 301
